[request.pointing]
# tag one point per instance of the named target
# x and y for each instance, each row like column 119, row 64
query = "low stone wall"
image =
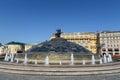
column 57, row 62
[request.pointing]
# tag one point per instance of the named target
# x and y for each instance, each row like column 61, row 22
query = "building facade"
column 15, row 48
column 11, row 48
column 2, row 50
column 87, row 40
column 109, row 42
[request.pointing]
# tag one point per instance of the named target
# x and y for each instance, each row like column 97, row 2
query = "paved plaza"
column 6, row 76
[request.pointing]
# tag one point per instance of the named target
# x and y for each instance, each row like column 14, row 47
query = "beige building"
column 109, row 42
column 87, row 40
column 11, row 48
column 2, row 50
column 14, row 48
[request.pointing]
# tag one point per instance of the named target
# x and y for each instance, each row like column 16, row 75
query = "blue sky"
column 32, row 21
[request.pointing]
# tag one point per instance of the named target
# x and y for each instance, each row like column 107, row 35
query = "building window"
column 109, row 49
column 103, row 49
column 117, row 45
column 114, row 45
column 116, row 49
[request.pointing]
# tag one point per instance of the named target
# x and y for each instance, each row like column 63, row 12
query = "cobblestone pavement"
column 6, row 76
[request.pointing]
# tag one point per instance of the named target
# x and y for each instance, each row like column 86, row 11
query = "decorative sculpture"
column 58, row 33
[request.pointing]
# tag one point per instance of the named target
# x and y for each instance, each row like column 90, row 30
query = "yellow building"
column 87, row 40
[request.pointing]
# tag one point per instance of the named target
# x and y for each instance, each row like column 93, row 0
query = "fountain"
column 54, row 48
column 17, row 61
column 59, row 44
column 6, row 57
column 101, row 61
column 72, row 59
column 105, row 59
column 83, row 62
column 25, row 59
column 36, row 62
column 93, row 59
column 110, row 57
column 60, row 62
column 47, row 60
column 12, row 57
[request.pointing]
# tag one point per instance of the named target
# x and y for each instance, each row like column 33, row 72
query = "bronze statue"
column 58, row 33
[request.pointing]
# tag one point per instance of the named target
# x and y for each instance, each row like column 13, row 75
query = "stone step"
column 83, row 69
column 60, row 71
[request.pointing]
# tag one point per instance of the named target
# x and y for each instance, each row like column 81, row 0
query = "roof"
column 107, row 31
column 15, row 43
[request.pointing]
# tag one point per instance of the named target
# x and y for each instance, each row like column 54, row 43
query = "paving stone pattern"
column 6, row 76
